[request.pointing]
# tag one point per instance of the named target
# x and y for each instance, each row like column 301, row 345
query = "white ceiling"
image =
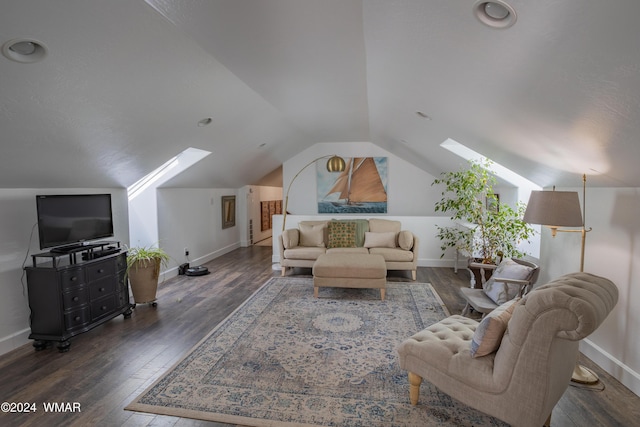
column 125, row 82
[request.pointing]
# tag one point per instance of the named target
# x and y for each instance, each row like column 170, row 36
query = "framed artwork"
column 361, row 188
column 228, row 211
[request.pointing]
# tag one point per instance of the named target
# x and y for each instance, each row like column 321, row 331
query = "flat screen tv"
column 66, row 221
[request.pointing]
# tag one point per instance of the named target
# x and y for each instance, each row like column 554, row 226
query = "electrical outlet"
column 186, row 251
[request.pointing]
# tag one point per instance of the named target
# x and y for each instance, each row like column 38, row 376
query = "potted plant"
column 490, row 227
column 143, row 271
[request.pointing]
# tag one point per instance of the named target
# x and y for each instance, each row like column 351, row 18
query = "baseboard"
column 438, row 262
column 13, row 341
column 628, row 377
column 173, row 271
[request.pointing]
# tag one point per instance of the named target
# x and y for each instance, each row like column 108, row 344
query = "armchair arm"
column 524, row 284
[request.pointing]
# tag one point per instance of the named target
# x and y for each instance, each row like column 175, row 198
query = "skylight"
column 168, row 170
column 499, row 170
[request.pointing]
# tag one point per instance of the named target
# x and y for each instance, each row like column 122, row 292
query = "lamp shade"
column 554, row 209
column 335, row 164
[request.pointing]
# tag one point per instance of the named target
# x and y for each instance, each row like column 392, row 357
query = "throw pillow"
column 312, row 235
column 489, row 333
column 405, row 240
column 379, row 240
column 501, row 292
column 377, row 225
column 342, row 234
column 290, row 238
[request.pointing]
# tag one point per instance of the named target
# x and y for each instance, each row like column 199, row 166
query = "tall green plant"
column 491, row 226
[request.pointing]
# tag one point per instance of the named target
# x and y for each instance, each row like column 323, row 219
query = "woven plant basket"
column 143, row 278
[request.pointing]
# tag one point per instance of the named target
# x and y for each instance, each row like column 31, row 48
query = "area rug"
column 284, row 358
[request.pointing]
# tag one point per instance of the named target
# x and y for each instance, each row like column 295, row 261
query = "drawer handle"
column 101, row 270
column 75, row 299
column 74, row 278
column 101, row 289
column 104, row 307
column 77, row 318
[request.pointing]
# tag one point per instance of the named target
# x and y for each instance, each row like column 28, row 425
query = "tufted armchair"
column 523, row 379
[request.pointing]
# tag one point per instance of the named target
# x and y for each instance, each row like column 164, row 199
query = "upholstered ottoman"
column 350, row 270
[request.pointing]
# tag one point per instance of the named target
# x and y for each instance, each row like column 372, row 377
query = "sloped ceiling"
column 125, row 82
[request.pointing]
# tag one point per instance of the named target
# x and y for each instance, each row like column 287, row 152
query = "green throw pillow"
column 342, row 234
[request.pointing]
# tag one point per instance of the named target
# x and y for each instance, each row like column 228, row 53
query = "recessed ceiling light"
column 262, row 145
column 24, row 50
column 495, row 13
column 205, row 122
column 423, row 115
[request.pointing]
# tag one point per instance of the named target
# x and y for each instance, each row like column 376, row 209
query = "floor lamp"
column 334, row 164
column 556, row 209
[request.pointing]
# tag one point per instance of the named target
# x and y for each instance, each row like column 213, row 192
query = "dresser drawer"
column 100, row 270
column 101, row 288
column 75, row 297
column 103, row 306
column 72, row 277
column 77, row 318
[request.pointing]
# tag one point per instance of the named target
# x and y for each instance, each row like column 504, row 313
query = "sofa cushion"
column 488, row 335
column 501, row 292
column 393, row 254
column 405, row 240
column 302, row 252
column 348, row 250
column 380, row 240
column 384, row 225
column 342, row 234
column 290, row 238
column 312, row 235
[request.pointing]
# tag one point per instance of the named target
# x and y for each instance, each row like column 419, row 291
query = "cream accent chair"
column 521, row 382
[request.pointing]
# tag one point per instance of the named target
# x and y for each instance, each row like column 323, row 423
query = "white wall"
column 20, row 240
column 143, row 219
column 612, row 250
column 192, row 218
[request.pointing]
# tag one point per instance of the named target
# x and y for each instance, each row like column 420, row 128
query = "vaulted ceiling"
column 124, row 84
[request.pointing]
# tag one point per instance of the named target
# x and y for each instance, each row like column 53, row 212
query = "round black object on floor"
column 196, row 271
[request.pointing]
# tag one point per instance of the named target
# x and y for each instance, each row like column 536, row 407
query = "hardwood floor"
column 110, row 365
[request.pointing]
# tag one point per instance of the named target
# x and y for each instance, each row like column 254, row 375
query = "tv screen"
column 74, row 218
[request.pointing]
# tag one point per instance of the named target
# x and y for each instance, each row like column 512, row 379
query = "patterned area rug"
column 284, row 358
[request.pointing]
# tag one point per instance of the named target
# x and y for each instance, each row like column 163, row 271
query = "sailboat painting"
column 361, row 188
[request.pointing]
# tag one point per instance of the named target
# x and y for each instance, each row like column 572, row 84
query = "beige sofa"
column 300, row 247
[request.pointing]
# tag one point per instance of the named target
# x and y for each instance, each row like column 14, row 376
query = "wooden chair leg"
column 414, row 387
column 284, row 271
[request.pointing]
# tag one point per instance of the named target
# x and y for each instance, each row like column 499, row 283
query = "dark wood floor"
column 110, row 365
